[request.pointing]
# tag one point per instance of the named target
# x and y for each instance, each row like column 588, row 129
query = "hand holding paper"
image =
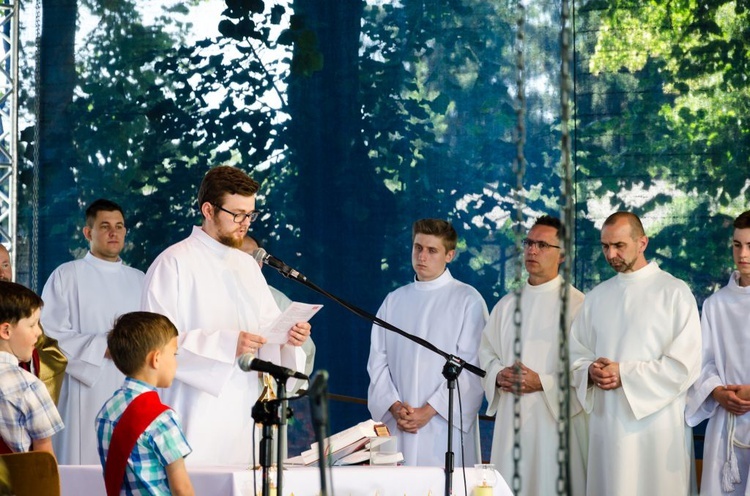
column 280, row 330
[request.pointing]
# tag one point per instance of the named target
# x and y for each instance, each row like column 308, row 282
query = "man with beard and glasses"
column 635, row 349
column 218, row 300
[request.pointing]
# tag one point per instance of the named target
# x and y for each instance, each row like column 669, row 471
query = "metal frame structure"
column 9, row 14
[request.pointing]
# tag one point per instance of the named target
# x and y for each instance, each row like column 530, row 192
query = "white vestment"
column 726, row 348
column 450, row 315
column 540, row 351
column 82, row 299
column 638, row 440
column 211, row 292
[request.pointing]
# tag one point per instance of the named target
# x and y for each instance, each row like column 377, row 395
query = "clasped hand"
column 735, row 398
column 410, row 419
column 605, row 374
column 527, row 381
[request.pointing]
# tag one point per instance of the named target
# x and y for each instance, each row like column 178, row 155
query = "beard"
column 620, row 265
column 230, row 241
column 227, row 238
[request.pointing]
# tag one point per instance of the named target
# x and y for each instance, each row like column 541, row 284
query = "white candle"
column 483, row 491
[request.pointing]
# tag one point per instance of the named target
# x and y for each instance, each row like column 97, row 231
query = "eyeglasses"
column 542, row 245
column 240, row 218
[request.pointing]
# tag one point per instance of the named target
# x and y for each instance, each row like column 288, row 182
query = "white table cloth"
column 78, row 480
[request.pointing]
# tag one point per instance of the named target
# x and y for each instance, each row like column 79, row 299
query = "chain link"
column 563, row 451
column 35, row 166
column 519, row 167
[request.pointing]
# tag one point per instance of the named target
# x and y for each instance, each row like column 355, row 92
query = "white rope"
column 730, row 472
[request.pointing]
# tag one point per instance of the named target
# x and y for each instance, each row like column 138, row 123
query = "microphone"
column 248, row 362
column 318, row 394
column 262, row 256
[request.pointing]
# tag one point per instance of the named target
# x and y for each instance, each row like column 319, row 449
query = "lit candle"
column 483, row 491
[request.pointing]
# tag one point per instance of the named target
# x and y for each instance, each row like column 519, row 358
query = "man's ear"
column 643, row 243
column 5, row 330
column 207, row 210
column 87, row 233
column 450, row 256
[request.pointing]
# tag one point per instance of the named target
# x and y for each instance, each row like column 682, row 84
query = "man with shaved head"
column 634, row 352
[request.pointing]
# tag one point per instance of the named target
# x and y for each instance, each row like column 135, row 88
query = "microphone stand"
column 318, row 395
column 453, row 364
column 281, row 442
column 270, row 413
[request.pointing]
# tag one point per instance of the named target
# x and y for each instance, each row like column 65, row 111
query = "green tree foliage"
column 148, row 114
column 438, row 88
column 662, row 105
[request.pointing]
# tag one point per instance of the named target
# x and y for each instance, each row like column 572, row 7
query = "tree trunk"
column 57, row 198
column 341, row 222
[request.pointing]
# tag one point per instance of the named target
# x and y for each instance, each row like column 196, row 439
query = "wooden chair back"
column 33, row 474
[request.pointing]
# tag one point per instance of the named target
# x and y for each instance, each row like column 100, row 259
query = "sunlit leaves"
column 683, row 124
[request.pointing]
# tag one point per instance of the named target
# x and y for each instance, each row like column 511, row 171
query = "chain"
column 519, row 167
column 563, row 424
column 35, row 167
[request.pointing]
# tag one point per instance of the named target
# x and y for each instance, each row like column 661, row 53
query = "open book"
column 348, row 447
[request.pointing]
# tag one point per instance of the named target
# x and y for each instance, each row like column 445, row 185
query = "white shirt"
column 725, row 323
column 450, row 315
column 211, row 292
column 540, row 351
column 638, row 440
column 82, row 299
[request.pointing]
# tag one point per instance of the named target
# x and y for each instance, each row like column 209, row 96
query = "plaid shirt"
column 160, row 445
column 27, row 412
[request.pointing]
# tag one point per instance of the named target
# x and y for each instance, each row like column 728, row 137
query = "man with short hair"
column 635, row 351
column 539, row 370
column 82, row 299
column 722, row 392
column 407, row 389
column 219, row 301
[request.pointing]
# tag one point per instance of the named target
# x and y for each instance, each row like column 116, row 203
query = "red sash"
column 27, row 365
column 135, row 419
column 4, row 449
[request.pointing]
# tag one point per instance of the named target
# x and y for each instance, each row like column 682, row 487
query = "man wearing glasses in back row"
column 218, row 299
column 538, row 382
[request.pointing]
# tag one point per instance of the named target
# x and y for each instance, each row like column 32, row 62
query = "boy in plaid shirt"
column 143, row 346
column 28, row 417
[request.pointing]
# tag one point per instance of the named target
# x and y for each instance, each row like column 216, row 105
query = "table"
column 87, row 480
